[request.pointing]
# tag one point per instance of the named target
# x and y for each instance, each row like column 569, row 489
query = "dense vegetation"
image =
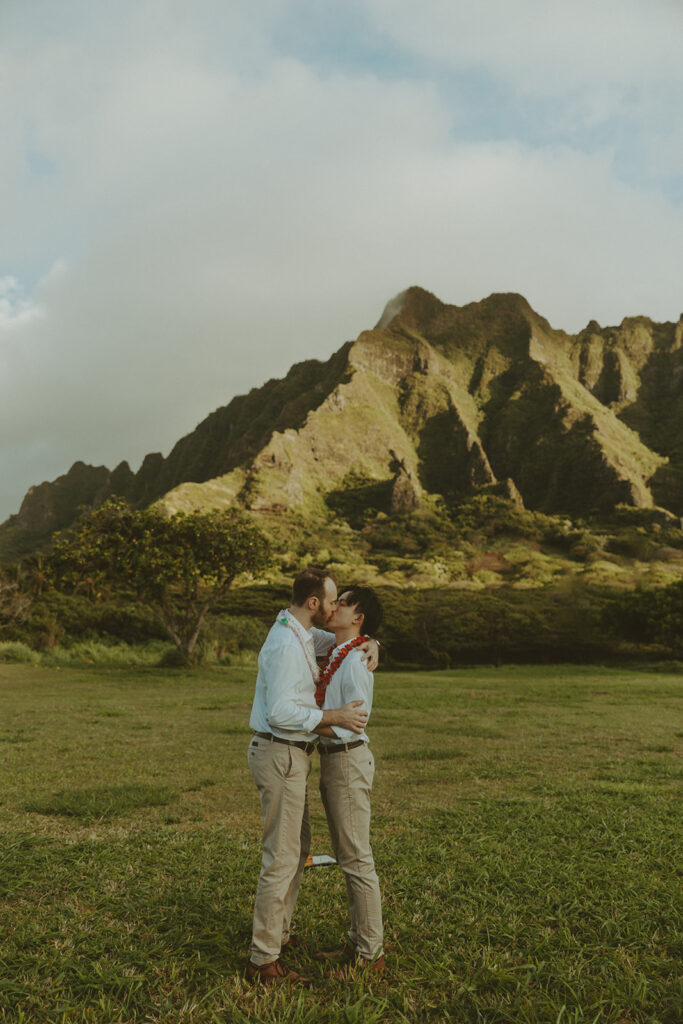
column 478, row 581
column 428, row 627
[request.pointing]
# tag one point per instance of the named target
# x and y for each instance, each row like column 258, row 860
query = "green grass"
column 527, row 832
column 100, row 802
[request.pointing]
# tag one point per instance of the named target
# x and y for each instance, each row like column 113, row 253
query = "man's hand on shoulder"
column 370, row 654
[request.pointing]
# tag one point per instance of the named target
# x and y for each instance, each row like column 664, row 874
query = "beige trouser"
column 281, row 773
column 345, row 785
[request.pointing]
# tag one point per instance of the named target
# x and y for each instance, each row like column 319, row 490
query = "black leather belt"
column 308, row 748
column 324, row 748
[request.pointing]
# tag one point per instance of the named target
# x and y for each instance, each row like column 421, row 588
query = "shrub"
column 449, row 627
column 258, row 602
column 231, row 633
column 359, row 497
column 171, row 658
column 493, row 515
column 105, row 655
column 633, row 543
column 648, row 616
column 58, row 618
column 15, row 652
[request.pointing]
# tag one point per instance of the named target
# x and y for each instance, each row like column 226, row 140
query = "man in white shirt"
column 347, row 768
column 287, row 723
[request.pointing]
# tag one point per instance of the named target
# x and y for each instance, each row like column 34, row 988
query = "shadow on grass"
column 102, row 802
column 15, row 737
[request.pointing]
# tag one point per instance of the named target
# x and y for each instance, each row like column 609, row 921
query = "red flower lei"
column 329, row 667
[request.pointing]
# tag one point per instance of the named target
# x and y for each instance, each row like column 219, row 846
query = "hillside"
column 436, row 405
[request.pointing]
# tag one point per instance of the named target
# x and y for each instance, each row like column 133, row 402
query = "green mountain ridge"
column 435, row 400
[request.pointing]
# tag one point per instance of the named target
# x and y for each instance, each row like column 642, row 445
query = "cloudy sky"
column 195, row 196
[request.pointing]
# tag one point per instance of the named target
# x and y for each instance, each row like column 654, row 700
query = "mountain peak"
column 415, row 303
column 420, row 310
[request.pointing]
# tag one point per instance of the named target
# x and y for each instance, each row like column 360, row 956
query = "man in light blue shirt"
column 287, row 723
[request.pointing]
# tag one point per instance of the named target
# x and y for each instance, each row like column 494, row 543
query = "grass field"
column 527, row 828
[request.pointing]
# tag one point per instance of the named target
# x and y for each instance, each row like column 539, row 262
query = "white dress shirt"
column 351, row 681
column 284, row 700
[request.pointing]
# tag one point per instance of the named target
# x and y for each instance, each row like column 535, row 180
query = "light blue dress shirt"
column 284, row 699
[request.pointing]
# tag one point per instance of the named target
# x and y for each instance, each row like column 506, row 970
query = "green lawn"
column 527, row 830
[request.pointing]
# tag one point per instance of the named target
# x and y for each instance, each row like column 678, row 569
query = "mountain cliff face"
column 439, row 399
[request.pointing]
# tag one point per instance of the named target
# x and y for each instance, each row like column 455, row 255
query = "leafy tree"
column 179, row 566
column 648, row 616
column 15, row 599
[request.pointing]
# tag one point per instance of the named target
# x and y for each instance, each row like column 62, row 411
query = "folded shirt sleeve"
column 290, row 696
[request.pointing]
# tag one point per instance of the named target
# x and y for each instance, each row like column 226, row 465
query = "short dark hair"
column 365, row 600
column 310, row 583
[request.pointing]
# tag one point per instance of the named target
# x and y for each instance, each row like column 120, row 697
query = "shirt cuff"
column 313, row 720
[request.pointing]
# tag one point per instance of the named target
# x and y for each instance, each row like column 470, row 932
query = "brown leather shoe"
column 356, row 965
column 273, row 973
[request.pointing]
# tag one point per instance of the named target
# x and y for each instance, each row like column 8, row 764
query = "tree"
column 652, row 616
column 179, row 565
column 15, row 599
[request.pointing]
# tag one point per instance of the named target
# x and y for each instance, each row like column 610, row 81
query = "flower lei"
column 312, row 664
column 329, row 667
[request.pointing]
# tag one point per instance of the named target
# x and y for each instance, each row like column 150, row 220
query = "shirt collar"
column 305, row 634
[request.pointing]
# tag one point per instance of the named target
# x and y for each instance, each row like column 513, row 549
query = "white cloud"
column 15, row 310
column 597, row 71
column 544, row 45
column 216, row 211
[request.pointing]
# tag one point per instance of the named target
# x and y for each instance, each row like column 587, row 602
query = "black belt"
column 324, row 748
column 308, row 748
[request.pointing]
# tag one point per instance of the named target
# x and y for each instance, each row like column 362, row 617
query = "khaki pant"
column 280, row 772
column 345, row 785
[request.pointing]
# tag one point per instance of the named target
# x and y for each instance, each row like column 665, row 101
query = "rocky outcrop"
column 52, row 506
column 406, row 492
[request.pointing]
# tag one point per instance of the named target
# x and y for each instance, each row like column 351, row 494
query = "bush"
column 578, row 544
column 171, row 658
column 213, row 654
column 105, row 655
column 58, row 618
column 15, row 652
column 633, row 543
column 438, row 628
column 493, row 516
column 231, row 633
column 258, row 602
column 360, row 497
column 648, row 616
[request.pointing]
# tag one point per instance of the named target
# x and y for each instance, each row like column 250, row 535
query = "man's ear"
column 313, row 603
